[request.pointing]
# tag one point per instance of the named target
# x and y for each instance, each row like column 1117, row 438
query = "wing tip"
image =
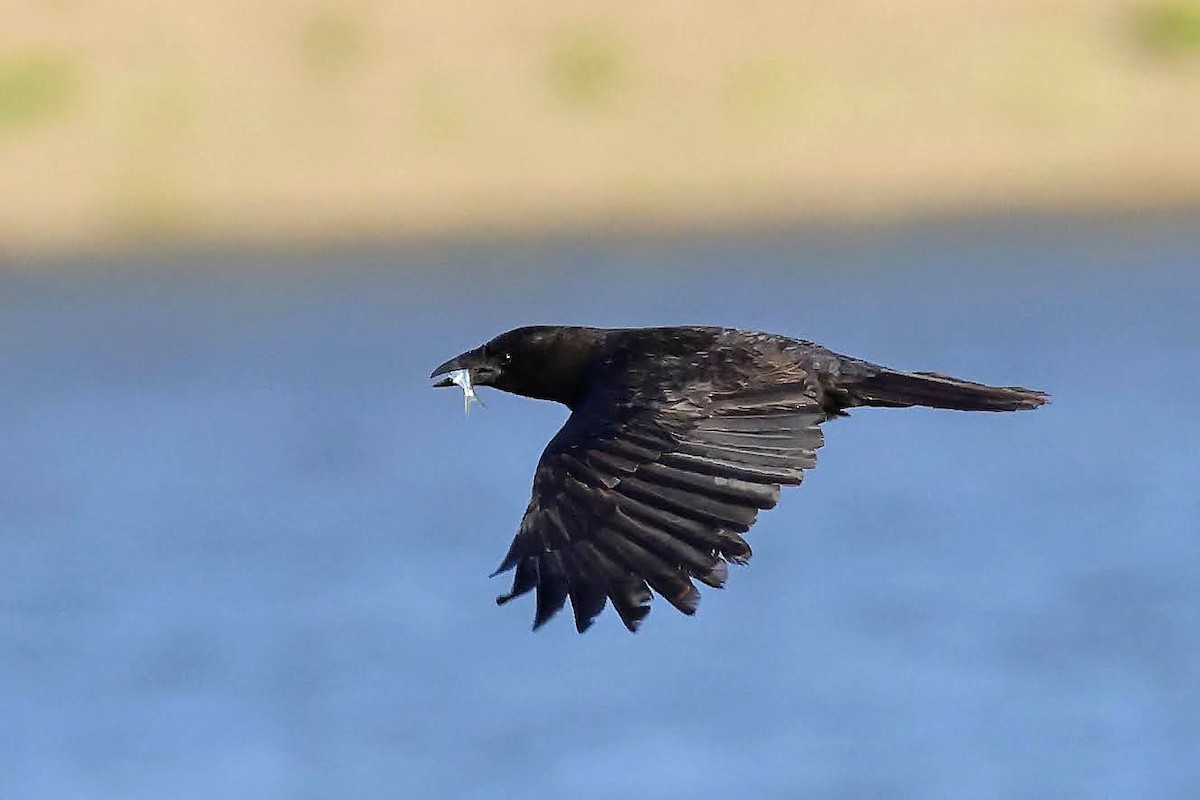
column 504, row 567
column 687, row 601
column 634, row 622
column 716, row 575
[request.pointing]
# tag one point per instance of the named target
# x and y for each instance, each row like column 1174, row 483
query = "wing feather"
column 656, row 498
column 665, row 545
column 672, row 582
column 729, row 467
column 688, row 504
column 551, row 588
column 584, row 586
column 759, row 495
column 628, row 591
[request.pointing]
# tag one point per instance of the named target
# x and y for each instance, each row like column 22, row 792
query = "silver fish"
column 462, row 377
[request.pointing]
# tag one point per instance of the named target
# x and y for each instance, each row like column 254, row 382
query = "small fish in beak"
column 462, row 377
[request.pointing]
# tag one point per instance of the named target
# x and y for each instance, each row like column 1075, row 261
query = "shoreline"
column 285, row 254
column 296, row 225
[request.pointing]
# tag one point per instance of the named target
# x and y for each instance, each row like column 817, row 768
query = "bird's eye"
column 506, row 357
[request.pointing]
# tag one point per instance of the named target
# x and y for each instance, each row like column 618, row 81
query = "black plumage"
column 677, row 438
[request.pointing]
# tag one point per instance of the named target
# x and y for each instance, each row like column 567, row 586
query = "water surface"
column 244, row 546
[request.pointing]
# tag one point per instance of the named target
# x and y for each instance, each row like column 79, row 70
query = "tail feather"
column 894, row 389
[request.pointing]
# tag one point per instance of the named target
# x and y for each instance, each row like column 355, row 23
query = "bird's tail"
column 894, row 389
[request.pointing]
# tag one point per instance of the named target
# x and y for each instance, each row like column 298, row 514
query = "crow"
column 677, row 438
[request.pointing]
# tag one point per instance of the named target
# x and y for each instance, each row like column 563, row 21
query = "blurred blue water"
column 244, row 547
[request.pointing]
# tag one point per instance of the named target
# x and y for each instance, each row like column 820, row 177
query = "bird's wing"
column 637, row 496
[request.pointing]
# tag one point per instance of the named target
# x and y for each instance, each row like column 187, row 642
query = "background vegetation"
column 284, row 122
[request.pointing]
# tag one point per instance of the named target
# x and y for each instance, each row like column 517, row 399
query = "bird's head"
column 547, row 362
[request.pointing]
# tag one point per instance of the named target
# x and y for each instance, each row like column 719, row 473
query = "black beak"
column 450, row 366
column 482, row 372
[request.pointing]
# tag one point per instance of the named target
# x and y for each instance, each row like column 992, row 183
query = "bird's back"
column 671, row 361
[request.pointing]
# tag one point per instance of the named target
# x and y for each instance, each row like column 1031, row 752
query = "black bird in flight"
column 677, row 438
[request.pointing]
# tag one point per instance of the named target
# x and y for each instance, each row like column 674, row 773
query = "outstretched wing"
column 647, row 495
